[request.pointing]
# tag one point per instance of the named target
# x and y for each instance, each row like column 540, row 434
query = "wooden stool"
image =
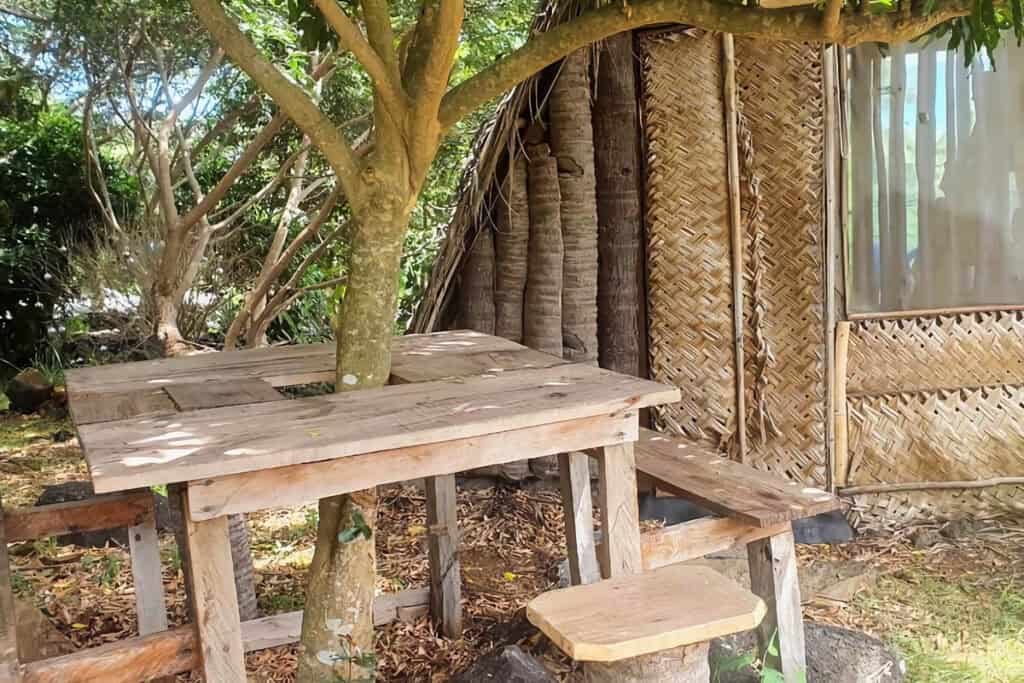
column 655, row 626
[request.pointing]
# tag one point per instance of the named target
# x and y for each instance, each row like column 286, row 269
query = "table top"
column 198, row 417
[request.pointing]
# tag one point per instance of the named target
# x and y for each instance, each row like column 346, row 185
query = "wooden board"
column 630, row 616
column 578, row 510
column 413, row 367
column 215, row 394
column 620, row 517
column 696, row 473
column 277, row 365
column 221, row 441
column 699, row 537
column 443, row 551
column 297, row 484
column 89, row 408
column 147, row 577
column 773, row 576
column 94, row 514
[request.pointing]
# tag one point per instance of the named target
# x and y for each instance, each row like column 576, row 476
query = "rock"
column 834, row 655
column 71, row 491
column 925, row 538
column 28, row 391
column 508, row 664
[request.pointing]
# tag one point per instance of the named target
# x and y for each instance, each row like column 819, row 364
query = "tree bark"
column 620, row 240
column 476, row 290
column 572, row 143
column 512, row 240
column 542, row 314
column 686, row 664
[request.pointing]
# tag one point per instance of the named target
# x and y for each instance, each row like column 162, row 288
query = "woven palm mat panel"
column 780, row 91
column 688, row 260
column 939, row 435
column 941, row 352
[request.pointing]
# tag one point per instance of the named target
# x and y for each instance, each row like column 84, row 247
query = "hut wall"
column 689, row 270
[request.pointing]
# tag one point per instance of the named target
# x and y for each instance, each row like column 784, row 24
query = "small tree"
column 413, row 107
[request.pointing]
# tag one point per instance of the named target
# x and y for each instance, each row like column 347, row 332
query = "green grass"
column 967, row 629
column 17, row 433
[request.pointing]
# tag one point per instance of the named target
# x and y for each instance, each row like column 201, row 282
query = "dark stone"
column 73, row 491
column 828, row 527
column 834, row 655
column 28, row 391
column 62, row 436
column 508, row 664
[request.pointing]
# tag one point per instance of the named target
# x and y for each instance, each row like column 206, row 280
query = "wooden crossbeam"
column 111, row 511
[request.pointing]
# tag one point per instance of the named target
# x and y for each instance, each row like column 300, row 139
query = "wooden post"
column 144, row 547
column 10, row 668
column 833, row 223
column 574, row 471
column 925, row 147
column 443, row 549
column 889, row 281
column 736, row 233
column 840, row 415
column 620, row 515
column 773, row 577
column 898, row 174
column 214, row 601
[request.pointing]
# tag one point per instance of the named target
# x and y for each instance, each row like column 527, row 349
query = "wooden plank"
column 111, row 511
column 10, row 668
column 277, row 365
column 629, row 616
column 89, row 408
column 697, row 538
column 840, row 413
column 215, row 604
column 833, row 236
column 725, row 487
column 217, row 394
column 296, row 484
column 620, row 517
column 221, row 441
column 773, row 576
column 578, row 509
column 148, row 579
column 417, row 368
column 443, row 551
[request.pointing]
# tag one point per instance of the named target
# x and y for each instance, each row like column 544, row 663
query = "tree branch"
column 292, row 99
column 791, row 23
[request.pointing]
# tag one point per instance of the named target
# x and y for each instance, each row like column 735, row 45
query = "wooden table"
column 458, row 400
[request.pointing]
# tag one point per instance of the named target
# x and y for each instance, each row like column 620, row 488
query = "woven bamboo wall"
column 689, row 271
column 936, row 399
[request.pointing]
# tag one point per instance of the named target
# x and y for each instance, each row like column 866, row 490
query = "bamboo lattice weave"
column 688, row 262
column 941, row 352
column 780, row 93
column 964, row 435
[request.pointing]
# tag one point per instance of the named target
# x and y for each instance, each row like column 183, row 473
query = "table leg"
column 773, row 577
column 574, row 479
column 215, row 603
column 144, row 548
column 443, row 550
column 620, row 517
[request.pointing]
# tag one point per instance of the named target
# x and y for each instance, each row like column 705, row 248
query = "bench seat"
column 699, row 474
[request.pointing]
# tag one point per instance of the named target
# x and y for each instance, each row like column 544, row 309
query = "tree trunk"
column 542, row 314
column 572, row 143
column 476, row 290
column 512, row 240
column 620, row 244
column 687, row 664
column 337, row 624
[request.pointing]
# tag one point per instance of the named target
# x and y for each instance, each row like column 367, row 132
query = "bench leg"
column 773, row 577
column 620, row 515
column 214, row 601
column 574, row 479
column 443, row 549
column 144, row 547
column 10, row 669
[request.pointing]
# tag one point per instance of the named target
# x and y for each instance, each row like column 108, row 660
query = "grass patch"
column 960, row 629
column 18, row 432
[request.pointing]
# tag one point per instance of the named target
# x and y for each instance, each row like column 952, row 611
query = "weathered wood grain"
column 728, row 488
column 773, row 576
column 110, row 511
column 296, row 484
column 217, row 394
column 629, row 616
column 578, row 509
column 215, row 604
column 415, row 368
column 443, row 551
column 221, row 441
column 10, row 669
column 89, row 408
column 620, row 516
column 146, row 574
column 697, row 538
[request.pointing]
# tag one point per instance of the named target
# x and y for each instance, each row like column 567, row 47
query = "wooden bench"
column 655, row 626
column 756, row 508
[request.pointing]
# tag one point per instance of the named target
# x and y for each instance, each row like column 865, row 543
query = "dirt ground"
column 954, row 610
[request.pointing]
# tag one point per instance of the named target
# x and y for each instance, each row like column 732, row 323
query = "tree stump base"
column 686, row 664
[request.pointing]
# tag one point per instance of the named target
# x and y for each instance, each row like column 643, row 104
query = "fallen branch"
column 931, row 486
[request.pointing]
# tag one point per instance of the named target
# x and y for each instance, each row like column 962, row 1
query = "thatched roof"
column 496, row 140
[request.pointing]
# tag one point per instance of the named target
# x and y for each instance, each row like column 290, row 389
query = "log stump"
column 686, row 664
